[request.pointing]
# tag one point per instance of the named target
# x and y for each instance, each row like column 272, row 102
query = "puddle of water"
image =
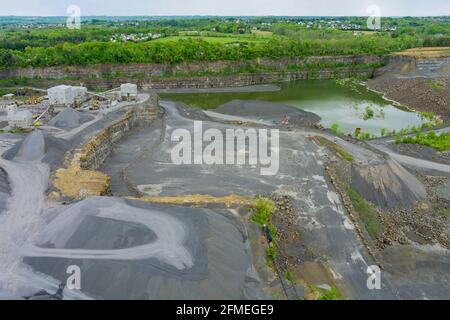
column 334, row 103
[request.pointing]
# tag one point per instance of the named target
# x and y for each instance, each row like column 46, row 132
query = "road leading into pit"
column 319, row 215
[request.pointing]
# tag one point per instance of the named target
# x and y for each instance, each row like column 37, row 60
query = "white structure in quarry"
column 128, row 91
column 19, row 118
column 80, row 93
column 66, row 95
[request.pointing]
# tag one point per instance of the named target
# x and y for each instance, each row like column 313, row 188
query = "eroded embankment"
column 417, row 78
column 80, row 179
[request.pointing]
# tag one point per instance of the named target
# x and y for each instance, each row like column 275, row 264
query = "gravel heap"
column 68, row 119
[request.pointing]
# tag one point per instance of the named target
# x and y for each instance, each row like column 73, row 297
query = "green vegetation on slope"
column 431, row 139
column 369, row 113
column 263, row 210
column 338, row 150
column 366, row 213
column 442, row 213
column 327, row 294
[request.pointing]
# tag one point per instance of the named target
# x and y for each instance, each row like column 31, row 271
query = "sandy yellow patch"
column 199, row 199
column 77, row 183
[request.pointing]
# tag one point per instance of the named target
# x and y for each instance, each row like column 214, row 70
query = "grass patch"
column 222, row 38
column 335, row 129
column 332, row 294
column 264, row 208
column 426, row 115
column 431, row 139
column 16, row 131
column 271, row 254
column 289, row 277
column 436, row 85
column 369, row 113
column 442, row 213
column 366, row 213
column 335, row 148
column 328, row 294
column 262, row 214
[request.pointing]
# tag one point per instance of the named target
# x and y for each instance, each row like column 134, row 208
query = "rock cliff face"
column 155, row 70
column 100, row 146
column 428, row 66
column 81, row 179
column 220, row 73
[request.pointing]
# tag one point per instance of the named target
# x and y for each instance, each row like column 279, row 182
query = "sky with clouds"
column 225, row 7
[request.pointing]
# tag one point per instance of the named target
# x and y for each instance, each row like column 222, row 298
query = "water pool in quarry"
column 347, row 104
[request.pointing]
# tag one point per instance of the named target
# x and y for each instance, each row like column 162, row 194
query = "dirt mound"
column 387, row 184
column 32, row 148
column 268, row 110
column 40, row 145
column 68, row 119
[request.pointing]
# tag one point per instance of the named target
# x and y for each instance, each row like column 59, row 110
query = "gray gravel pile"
column 68, row 119
column 388, row 185
column 39, row 146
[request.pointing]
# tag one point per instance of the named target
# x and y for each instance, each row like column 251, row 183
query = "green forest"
column 50, row 43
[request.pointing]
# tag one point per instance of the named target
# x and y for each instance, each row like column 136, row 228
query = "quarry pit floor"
column 324, row 227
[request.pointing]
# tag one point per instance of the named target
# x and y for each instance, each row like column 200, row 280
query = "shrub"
column 335, row 128
column 369, row 114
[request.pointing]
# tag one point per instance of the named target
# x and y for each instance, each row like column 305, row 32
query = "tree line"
column 196, row 49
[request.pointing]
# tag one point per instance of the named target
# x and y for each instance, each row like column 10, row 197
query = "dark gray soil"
column 69, row 119
column 268, row 110
column 222, row 266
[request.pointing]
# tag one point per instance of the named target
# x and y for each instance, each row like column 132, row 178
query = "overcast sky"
column 225, row 7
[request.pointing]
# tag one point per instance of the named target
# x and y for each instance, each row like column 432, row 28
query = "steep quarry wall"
column 200, row 74
column 252, row 79
column 409, row 65
column 81, row 179
column 154, row 70
column 99, row 147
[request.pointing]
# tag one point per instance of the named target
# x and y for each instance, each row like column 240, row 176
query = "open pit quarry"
column 99, row 191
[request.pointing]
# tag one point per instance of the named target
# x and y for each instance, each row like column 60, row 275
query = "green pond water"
column 345, row 105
